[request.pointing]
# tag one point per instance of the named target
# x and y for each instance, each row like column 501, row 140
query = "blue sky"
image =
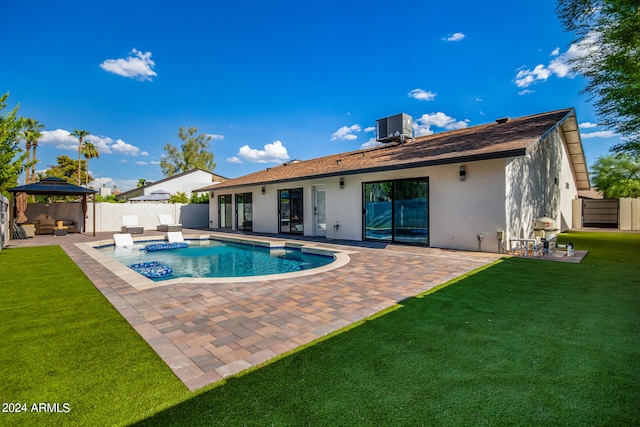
column 280, row 80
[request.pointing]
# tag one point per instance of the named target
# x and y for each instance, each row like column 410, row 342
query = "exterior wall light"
column 463, row 173
column 341, row 183
column 263, row 189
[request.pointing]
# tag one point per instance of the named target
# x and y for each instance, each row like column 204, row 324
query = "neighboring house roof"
column 154, row 196
column 214, row 177
column 499, row 139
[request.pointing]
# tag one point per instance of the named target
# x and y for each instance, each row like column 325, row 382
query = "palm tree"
column 26, row 135
column 79, row 134
column 89, row 151
column 31, row 134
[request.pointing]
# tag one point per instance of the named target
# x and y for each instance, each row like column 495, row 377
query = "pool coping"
column 140, row 282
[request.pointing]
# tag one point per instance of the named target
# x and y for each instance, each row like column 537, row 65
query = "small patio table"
column 60, row 231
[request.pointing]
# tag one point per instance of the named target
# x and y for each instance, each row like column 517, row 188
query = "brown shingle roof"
column 491, row 140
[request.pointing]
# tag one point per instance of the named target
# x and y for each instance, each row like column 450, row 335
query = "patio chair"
column 175, row 237
column 124, row 240
column 130, row 225
column 167, row 224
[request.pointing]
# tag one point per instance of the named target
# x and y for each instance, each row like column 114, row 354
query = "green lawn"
column 523, row 342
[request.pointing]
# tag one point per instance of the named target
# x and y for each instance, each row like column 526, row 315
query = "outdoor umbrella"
column 84, row 212
column 21, row 206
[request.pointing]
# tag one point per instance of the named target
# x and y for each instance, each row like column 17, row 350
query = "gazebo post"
column 94, row 214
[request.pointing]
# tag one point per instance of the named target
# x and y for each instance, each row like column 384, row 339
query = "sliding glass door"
column 397, row 211
column 378, row 206
column 244, row 212
column 225, row 209
column 290, row 211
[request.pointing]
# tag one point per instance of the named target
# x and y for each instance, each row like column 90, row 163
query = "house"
column 470, row 189
column 186, row 182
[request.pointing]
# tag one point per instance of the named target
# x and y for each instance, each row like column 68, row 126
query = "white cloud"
column 234, row 160
column 422, row 95
column 215, row 137
column 59, row 138
column 122, row 147
column 154, row 162
column 422, row 126
column 63, row 139
column 525, row 77
column 141, row 163
column 123, row 161
column 455, row 37
column 600, row 134
column 136, row 66
column 346, row 133
column 560, row 66
column 102, row 182
column 370, row 129
column 371, row 143
column 526, row 92
column 588, row 125
column 274, row 152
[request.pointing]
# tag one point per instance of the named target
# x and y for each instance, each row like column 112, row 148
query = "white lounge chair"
column 124, row 240
column 167, row 224
column 130, row 225
column 175, row 237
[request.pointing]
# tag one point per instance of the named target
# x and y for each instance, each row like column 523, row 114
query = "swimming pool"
column 216, row 259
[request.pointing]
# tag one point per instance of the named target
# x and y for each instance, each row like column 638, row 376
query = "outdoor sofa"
column 46, row 225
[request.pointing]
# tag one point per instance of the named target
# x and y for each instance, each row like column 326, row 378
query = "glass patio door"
column 244, row 212
column 410, row 210
column 290, row 211
column 378, row 207
column 397, row 211
column 320, row 211
column 225, row 209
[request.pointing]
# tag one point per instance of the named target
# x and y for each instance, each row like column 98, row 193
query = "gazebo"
column 50, row 186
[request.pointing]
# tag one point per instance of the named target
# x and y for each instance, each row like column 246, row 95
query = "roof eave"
column 435, row 162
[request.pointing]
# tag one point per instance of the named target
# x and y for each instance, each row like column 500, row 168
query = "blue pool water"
column 210, row 258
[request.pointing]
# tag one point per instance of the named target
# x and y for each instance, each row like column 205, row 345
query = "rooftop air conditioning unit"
column 394, row 128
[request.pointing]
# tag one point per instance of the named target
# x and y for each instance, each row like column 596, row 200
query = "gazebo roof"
column 53, row 187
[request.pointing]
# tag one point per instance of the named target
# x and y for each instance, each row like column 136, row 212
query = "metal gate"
column 600, row 213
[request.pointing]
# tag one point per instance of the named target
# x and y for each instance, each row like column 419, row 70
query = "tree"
column 67, row 169
column 31, row 135
column 89, row 151
column 11, row 156
column 609, row 34
column 617, row 175
column 193, row 154
column 179, row 197
column 141, row 182
column 80, row 134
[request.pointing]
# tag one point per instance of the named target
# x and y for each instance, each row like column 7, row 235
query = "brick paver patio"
column 208, row 331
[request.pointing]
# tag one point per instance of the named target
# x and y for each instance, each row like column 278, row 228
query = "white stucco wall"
column 109, row 215
column 458, row 210
column 536, row 186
